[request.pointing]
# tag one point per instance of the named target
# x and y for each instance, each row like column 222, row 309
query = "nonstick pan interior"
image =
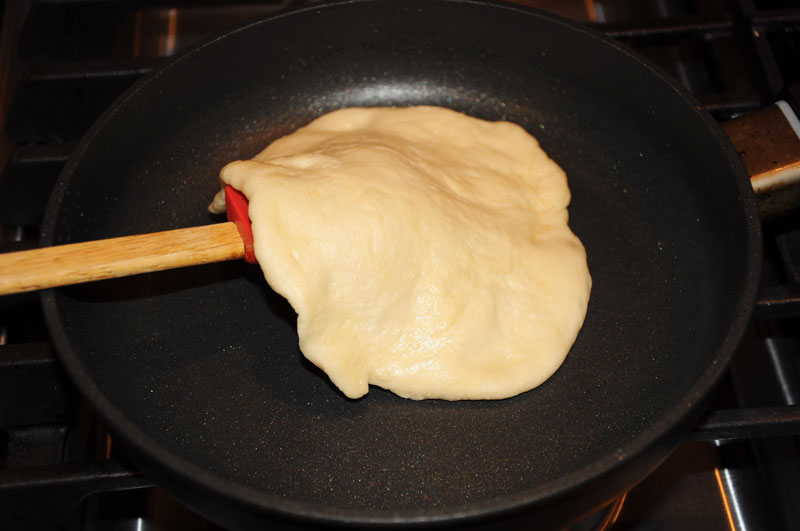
column 198, row 371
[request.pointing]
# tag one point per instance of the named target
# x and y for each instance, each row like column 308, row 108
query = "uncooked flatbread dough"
column 425, row 251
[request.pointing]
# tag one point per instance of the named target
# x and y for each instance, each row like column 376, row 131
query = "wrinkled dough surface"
column 424, row 251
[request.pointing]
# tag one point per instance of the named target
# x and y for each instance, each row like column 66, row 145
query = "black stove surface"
column 63, row 62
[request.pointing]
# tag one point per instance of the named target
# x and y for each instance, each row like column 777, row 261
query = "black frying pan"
column 198, row 373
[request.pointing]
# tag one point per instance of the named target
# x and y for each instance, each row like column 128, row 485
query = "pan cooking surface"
column 204, row 362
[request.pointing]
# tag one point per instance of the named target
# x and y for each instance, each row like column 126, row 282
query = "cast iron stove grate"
column 64, row 62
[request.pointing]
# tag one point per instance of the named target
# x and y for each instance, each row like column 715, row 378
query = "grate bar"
column 665, row 30
column 747, row 423
column 775, row 302
column 46, row 497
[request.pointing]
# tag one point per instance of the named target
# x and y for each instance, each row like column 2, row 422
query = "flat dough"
column 425, row 251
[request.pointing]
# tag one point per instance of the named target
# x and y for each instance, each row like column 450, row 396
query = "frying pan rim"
column 189, row 473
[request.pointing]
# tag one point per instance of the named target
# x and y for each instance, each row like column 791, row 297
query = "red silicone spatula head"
column 236, row 208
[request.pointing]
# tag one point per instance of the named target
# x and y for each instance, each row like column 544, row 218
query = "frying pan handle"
column 768, row 141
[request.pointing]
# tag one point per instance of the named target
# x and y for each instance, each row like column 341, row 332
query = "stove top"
column 64, row 62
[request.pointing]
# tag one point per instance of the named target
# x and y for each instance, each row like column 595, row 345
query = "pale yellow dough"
column 425, row 251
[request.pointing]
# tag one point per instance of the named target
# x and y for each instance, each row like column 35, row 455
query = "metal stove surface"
column 63, row 62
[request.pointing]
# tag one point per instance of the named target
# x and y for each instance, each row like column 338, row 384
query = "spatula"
column 130, row 255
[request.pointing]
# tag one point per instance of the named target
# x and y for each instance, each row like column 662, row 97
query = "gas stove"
column 64, row 62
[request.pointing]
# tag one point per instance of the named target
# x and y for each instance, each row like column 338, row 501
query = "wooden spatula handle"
column 118, row 257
